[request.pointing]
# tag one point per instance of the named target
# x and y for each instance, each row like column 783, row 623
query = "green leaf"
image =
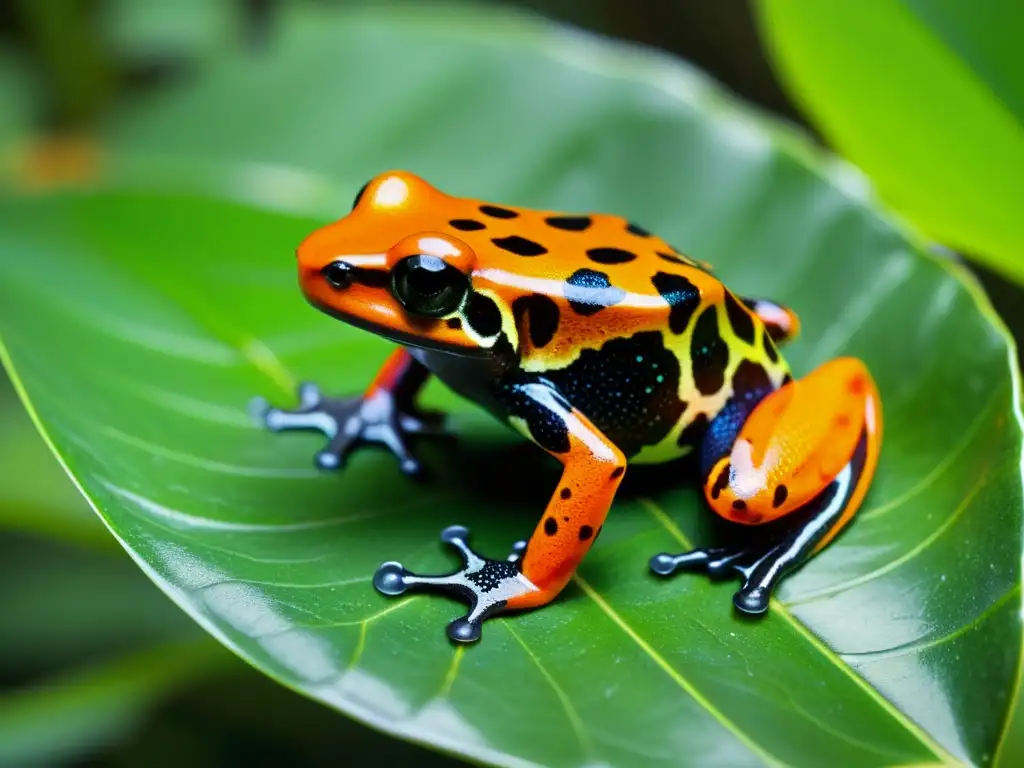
column 927, row 96
column 142, row 315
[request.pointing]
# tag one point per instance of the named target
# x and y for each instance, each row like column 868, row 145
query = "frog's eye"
column 359, row 195
column 428, row 286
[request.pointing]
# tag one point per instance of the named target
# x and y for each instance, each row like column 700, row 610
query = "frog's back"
column 641, row 338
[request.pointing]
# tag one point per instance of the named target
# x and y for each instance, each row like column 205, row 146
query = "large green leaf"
column 141, row 315
column 928, row 97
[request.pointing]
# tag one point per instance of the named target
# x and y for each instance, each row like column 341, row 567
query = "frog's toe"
column 464, row 630
column 518, row 550
column 486, row 585
column 275, row 418
column 428, row 423
column 390, row 579
column 755, row 565
column 752, row 599
column 395, row 440
column 731, row 560
column 347, row 422
column 666, row 564
column 314, row 412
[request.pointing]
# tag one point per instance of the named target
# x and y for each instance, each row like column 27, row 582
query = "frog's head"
column 396, row 266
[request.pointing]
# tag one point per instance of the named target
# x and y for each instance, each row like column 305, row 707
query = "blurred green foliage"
column 927, row 96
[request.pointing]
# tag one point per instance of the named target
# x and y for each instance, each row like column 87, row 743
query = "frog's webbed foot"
column 349, row 421
column 754, row 564
column 763, row 565
column 790, row 515
column 487, row 585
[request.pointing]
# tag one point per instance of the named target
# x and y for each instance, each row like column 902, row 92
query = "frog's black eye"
column 338, row 274
column 359, row 195
column 426, row 285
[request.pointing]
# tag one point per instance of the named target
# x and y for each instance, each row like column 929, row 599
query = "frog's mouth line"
column 401, row 337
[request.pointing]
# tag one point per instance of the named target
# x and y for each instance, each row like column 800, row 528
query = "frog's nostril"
column 338, row 274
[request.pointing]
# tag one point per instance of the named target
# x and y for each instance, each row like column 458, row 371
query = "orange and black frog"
column 603, row 345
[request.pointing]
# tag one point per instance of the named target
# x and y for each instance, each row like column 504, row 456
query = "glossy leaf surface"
column 927, row 96
column 142, row 314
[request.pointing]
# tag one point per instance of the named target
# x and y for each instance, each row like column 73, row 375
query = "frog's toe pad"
column 753, row 600
column 663, row 564
column 390, row 579
column 487, row 585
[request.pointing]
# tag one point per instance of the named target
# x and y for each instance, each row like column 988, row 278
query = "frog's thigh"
column 796, row 442
column 593, row 469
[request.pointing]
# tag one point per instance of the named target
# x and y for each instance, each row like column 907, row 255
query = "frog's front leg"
column 385, row 414
column 803, row 460
column 536, row 572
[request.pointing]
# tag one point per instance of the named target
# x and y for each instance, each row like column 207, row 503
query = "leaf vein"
column 783, row 613
column 925, row 482
column 675, row 675
column 919, row 645
column 575, row 722
column 910, row 554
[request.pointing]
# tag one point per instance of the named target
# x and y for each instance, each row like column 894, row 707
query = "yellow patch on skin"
column 739, row 351
column 508, row 323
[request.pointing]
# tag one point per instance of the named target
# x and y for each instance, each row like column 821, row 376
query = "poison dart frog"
column 605, row 346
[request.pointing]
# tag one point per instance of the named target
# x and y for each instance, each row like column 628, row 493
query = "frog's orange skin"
column 575, row 515
column 786, row 451
column 604, row 345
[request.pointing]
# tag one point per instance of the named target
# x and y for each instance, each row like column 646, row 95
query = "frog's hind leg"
column 535, row 573
column 762, row 567
column 803, row 461
column 385, row 414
